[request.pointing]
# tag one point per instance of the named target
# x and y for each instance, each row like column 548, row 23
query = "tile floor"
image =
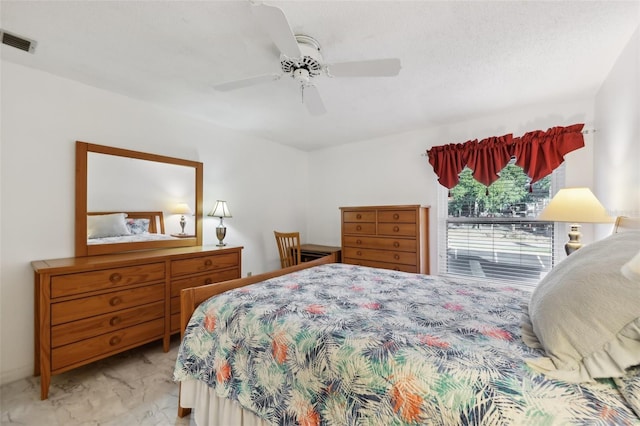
column 132, row 388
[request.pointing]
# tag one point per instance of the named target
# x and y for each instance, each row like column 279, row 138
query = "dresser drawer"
column 397, row 229
column 109, row 302
column 403, row 257
column 401, row 244
column 106, row 344
column 383, row 265
column 359, row 216
column 203, row 264
column 397, row 216
column 83, row 329
column 200, row 280
column 71, row 284
column 359, row 228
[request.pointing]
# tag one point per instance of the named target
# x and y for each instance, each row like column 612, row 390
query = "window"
column 493, row 232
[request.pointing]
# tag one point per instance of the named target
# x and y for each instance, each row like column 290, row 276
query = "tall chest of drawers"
column 388, row 237
column 89, row 308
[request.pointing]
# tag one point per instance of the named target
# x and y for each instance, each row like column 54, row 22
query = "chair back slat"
column 288, row 248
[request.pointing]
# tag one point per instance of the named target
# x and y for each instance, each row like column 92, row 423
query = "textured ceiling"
column 459, row 59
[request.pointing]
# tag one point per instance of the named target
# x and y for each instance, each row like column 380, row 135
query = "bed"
column 125, row 227
column 337, row 344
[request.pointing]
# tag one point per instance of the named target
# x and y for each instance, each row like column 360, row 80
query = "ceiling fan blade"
column 313, row 101
column 274, row 21
column 372, row 68
column 246, row 82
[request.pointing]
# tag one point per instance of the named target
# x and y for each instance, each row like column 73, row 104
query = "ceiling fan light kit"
column 300, row 58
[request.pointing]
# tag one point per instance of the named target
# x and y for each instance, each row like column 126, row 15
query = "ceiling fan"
column 300, row 59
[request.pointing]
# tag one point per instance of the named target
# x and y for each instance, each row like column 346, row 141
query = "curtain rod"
column 584, row 132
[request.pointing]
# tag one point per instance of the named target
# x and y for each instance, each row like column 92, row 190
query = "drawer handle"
column 358, row 228
column 208, row 262
column 115, row 301
column 115, row 277
column 359, row 253
column 115, row 340
column 358, row 241
column 396, row 229
column 396, row 244
column 396, row 257
column 115, row 321
column 396, row 216
column 358, row 216
column 208, row 281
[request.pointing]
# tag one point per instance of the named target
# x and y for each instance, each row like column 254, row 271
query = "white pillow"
column 585, row 313
column 107, row 225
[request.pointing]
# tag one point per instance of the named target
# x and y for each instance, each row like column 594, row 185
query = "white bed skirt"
column 208, row 409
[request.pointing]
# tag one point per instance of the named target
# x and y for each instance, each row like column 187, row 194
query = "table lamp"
column 220, row 210
column 182, row 209
column 575, row 205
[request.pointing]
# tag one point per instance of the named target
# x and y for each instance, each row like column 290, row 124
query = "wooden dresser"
column 389, row 237
column 89, row 308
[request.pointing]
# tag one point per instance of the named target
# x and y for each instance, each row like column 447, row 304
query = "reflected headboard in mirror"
column 110, row 180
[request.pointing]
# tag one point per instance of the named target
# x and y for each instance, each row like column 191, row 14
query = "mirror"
column 114, row 180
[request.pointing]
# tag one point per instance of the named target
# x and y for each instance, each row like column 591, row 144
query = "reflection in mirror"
column 147, row 187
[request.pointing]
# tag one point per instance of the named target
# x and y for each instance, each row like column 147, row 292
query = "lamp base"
column 574, row 242
column 221, row 232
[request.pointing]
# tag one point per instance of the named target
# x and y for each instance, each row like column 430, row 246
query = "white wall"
column 42, row 117
column 617, row 148
column 391, row 170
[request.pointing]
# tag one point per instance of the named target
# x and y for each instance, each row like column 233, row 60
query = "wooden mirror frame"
column 81, row 247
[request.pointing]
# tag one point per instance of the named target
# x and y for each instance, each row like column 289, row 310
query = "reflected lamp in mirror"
column 574, row 205
column 182, row 209
column 220, row 210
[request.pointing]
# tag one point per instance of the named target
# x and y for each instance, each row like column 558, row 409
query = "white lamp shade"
column 220, row 209
column 631, row 269
column 575, row 205
column 182, row 208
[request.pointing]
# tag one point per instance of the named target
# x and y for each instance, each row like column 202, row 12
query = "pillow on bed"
column 585, row 313
column 137, row 226
column 107, row 225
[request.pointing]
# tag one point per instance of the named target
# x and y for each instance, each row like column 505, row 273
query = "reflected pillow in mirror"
column 137, row 226
column 107, row 225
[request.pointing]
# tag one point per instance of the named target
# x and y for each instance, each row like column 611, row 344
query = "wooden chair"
column 288, row 247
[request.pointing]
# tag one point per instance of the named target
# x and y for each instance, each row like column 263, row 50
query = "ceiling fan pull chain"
column 302, row 92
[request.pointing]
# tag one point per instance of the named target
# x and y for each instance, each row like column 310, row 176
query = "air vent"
column 18, row 42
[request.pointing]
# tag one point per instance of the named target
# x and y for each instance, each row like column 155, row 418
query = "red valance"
column 537, row 152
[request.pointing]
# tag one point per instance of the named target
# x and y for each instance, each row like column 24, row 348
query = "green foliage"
column 470, row 198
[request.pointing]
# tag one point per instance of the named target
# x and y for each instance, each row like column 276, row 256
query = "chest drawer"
column 359, row 216
column 401, row 244
column 201, row 280
column 359, row 228
column 403, row 257
column 397, row 216
column 397, row 229
column 109, row 302
column 203, row 264
column 70, row 332
column 383, row 265
column 72, row 284
column 97, row 347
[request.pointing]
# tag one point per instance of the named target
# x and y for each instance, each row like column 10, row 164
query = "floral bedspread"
column 344, row 345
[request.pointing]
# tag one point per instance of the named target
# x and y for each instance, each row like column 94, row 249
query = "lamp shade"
column 182, row 208
column 575, row 205
column 220, row 210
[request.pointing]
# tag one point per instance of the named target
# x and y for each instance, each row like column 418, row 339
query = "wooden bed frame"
column 190, row 298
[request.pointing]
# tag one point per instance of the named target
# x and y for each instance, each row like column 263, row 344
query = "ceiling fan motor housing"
column 309, row 65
